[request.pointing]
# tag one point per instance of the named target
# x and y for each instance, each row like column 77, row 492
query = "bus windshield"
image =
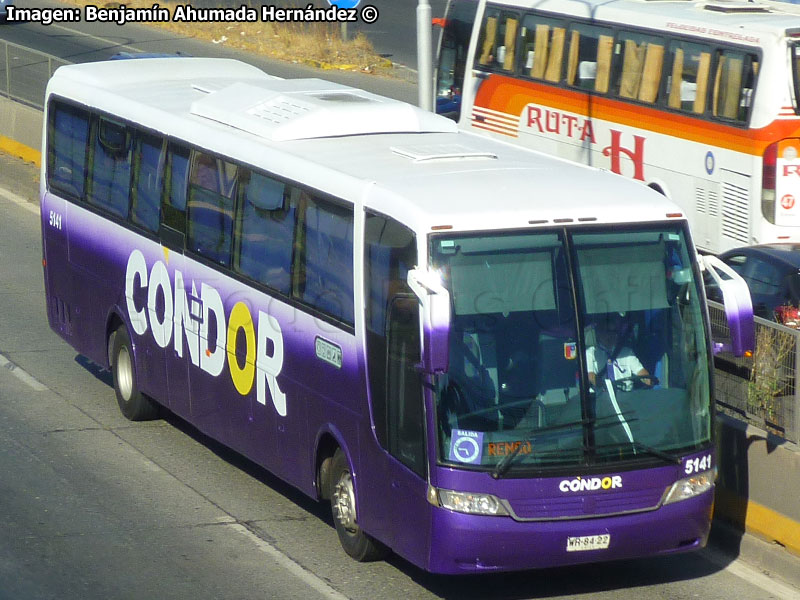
column 571, row 348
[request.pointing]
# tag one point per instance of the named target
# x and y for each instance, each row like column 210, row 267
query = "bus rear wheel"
column 134, row 405
column 355, row 542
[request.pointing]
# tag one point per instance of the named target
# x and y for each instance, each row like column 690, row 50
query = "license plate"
column 588, row 542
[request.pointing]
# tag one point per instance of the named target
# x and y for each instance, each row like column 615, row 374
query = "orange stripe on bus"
column 511, row 96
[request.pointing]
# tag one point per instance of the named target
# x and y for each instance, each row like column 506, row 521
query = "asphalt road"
column 394, row 36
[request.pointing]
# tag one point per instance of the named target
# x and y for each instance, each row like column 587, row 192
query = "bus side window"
column 110, row 167
column 173, row 209
column 639, row 76
column 265, row 228
column 498, row 41
column 210, row 209
column 589, row 57
column 68, row 149
column 510, row 43
column 392, row 338
column 542, row 47
column 687, row 86
column 323, row 273
column 148, row 179
column 734, row 82
column 488, row 37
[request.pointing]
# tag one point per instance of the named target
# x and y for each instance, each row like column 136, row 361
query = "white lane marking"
column 97, row 38
column 287, row 563
column 773, row 587
column 22, row 375
column 12, row 197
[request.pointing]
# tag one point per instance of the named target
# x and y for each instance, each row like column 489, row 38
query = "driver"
column 609, row 356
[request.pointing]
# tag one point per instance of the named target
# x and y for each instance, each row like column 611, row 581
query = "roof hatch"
column 727, row 6
column 429, row 152
column 295, row 109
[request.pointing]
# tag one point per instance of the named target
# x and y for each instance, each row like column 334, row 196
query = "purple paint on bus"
column 462, row 543
column 98, row 251
column 98, row 246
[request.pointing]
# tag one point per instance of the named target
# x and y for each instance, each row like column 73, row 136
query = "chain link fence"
column 761, row 389
column 24, row 73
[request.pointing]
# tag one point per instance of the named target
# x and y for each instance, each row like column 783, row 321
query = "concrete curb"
column 20, row 124
column 14, row 148
column 762, row 522
column 769, row 558
column 759, row 479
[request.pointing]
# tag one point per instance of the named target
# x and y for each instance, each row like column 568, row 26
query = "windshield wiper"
column 503, row 466
column 665, row 456
column 670, row 458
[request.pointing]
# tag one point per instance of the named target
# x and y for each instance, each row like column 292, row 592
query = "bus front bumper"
column 463, row 543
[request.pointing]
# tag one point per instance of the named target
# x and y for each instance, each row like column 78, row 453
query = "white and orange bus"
column 698, row 100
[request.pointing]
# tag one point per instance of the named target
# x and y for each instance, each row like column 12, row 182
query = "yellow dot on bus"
column 242, row 376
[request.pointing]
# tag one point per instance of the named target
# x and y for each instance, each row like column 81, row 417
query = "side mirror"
column 435, row 301
column 737, row 302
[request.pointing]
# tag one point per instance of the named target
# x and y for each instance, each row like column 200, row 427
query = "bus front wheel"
column 355, row 542
column 134, row 405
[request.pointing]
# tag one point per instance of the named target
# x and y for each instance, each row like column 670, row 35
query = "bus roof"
column 367, row 149
column 737, row 21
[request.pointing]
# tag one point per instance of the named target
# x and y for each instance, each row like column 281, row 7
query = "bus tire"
column 134, row 405
column 355, row 542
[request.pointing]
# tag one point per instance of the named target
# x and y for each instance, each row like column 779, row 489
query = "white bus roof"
column 367, row 149
column 738, row 21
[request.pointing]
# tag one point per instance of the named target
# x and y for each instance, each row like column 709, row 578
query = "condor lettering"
column 264, row 352
column 590, row 484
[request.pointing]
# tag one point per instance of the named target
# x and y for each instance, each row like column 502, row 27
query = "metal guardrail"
column 763, row 389
column 24, row 73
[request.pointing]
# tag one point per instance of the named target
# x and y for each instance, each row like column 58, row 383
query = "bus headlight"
column 690, row 487
column 467, row 502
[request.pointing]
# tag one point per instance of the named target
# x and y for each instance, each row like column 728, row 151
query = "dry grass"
column 317, row 44
column 771, row 376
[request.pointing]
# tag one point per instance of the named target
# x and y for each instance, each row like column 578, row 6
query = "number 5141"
column 698, row 465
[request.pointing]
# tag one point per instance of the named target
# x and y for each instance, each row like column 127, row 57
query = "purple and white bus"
column 385, row 312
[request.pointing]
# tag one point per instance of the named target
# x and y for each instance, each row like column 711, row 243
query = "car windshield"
column 571, row 348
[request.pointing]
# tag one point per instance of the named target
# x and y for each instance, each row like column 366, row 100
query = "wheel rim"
column 124, row 373
column 344, row 502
